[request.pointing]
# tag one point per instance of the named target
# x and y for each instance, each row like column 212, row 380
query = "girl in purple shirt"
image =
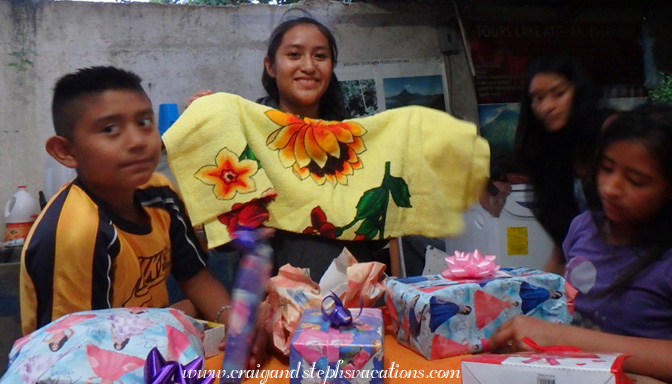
column 619, row 258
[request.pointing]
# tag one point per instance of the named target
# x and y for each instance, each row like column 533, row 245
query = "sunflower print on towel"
column 324, row 150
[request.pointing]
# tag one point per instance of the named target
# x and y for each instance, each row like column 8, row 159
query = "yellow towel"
column 405, row 171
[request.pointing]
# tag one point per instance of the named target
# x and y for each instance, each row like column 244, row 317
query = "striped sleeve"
column 68, row 260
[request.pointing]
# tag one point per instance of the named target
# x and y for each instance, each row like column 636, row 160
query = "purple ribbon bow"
column 158, row 371
column 335, row 313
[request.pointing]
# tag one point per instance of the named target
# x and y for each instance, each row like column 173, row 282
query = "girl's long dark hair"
column 651, row 125
column 332, row 105
column 548, row 158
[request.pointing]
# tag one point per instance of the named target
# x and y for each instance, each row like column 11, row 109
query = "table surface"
column 405, row 361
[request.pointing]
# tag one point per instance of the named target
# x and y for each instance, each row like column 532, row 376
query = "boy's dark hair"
column 332, row 104
column 72, row 87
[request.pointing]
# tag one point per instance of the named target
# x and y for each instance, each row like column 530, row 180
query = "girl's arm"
column 649, row 357
column 556, row 261
column 197, row 95
column 395, row 257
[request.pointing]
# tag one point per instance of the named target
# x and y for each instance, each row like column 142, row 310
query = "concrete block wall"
column 177, row 50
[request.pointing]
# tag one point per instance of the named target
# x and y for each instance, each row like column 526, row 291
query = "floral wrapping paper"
column 237, row 162
column 343, row 352
column 438, row 318
column 103, row 346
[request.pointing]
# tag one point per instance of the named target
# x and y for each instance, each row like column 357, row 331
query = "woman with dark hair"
column 299, row 78
column 556, row 137
column 327, row 97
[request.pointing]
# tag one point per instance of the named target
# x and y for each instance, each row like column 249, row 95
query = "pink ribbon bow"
column 468, row 265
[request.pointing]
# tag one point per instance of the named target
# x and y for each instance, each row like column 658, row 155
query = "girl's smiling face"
column 631, row 185
column 302, row 70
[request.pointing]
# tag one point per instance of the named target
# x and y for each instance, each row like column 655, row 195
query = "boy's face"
column 115, row 142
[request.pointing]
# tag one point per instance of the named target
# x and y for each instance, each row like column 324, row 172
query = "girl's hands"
column 259, row 351
column 509, row 336
column 196, row 96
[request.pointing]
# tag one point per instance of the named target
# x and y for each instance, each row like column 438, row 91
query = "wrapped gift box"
column 213, row 335
column 545, row 368
column 321, row 353
column 103, row 346
column 439, row 318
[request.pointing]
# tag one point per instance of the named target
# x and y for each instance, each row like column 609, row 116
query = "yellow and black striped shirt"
column 81, row 256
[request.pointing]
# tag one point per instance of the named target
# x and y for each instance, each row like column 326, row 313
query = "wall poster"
column 373, row 86
column 501, row 53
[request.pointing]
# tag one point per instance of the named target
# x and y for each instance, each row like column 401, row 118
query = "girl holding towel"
column 299, row 78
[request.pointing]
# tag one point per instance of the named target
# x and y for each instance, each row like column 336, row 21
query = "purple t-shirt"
column 643, row 309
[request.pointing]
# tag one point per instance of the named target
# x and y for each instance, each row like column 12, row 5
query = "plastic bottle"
column 21, row 210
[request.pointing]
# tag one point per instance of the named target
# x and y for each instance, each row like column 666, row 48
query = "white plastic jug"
column 21, row 210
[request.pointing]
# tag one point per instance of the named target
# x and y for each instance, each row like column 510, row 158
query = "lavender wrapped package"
column 455, row 312
column 321, row 352
column 253, row 274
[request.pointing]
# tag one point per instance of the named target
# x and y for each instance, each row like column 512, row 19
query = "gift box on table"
column 545, row 368
column 439, row 317
column 103, row 346
column 214, row 333
column 322, row 353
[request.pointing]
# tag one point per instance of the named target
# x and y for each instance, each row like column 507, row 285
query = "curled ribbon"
column 335, row 313
column 470, row 265
column 158, row 371
column 555, row 348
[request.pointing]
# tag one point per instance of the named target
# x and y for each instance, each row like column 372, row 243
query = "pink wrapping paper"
column 292, row 290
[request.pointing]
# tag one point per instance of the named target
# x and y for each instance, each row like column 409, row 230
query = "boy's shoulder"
column 71, row 217
column 157, row 180
column 159, row 191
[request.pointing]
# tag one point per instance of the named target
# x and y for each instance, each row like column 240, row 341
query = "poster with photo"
column 373, row 86
column 497, row 124
column 502, row 52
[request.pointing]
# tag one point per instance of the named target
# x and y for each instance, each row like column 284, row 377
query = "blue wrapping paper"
column 103, row 346
column 438, row 318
